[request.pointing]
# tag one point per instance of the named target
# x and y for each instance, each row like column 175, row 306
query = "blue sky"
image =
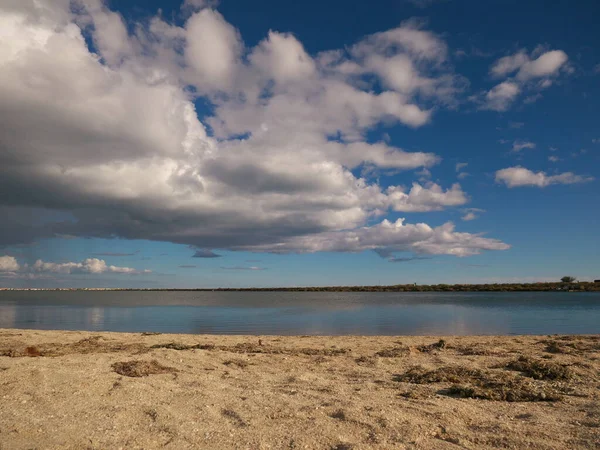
column 237, row 144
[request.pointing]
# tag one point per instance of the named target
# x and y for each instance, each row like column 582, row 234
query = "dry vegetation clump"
column 88, row 345
column 317, row 351
column 447, row 374
column 479, row 350
column 555, row 347
column 416, row 393
column 141, row 368
column 178, row 346
column 152, row 414
column 439, row 345
column 30, row 351
column 234, row 417
column 93, row 344
column 479, row 384
column 248, row 347
column 367, row 361
column 394, row 352
column 338, row 414
column 342, row 446
column 504, row 389
column 540, row 370
column 572, row 344
column 241, row 363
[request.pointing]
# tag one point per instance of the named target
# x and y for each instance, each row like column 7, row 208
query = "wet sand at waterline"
column 62, row 389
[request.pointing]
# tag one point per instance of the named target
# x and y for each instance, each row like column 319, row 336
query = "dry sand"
column 85, row 390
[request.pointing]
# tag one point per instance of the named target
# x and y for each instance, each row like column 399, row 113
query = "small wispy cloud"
column 424, row 175
column 553, row 158
column 205, row 253
column 460, row 166
column 243, row 268
column 532, row 98
column 472, row 214
column 398, row 259
column 519, row 145
column 516, row 125
column 187, row 266
column 520, row 176
column 389, row 256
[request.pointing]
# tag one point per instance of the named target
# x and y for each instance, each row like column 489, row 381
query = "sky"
column 197, row 143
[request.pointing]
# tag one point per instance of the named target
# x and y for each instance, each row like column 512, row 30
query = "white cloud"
column 429, row 198
column 8, row 264
column 519, row 145
column 213, row 49
column 525, row 69
column 410, row 37
column 110, row 32
column 283, row 58
column 90, row 265
column 460, row 166
column 389, row 237
column 116, row 144
column 196, row 5
column 553, row 158
column 509, row 64
column 472, row 214
column 545, row 65
column 501, row 96
column 520, row 176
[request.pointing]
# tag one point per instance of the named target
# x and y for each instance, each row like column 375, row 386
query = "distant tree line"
column 566, row 284
column 568, row 279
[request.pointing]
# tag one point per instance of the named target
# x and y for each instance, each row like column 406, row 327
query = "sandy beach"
column 82, row 390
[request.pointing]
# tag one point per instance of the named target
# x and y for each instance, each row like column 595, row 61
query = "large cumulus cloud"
column 111, row 138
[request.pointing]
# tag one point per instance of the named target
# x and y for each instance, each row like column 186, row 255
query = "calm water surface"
column 298, row 313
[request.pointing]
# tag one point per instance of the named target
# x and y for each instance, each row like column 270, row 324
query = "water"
column 304, row 313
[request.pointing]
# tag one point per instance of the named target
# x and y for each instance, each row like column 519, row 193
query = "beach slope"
column 84, row 390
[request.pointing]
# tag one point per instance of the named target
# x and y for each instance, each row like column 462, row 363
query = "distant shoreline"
column 499, row 287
